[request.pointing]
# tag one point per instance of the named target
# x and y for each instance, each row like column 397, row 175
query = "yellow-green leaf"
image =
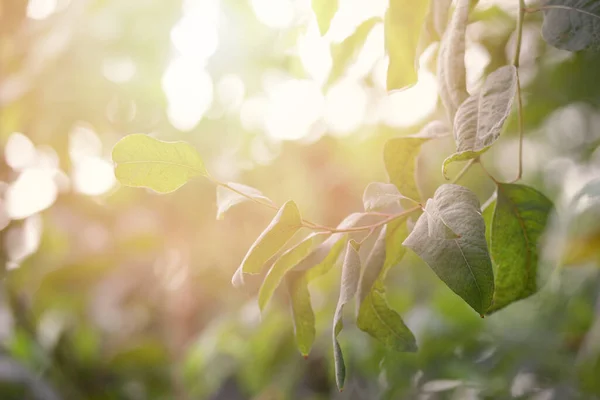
column 375, row 317
column 284, row 225
column 227, row 198
column 400, row 157
column 142, row 161
column 285, row 263
column 324, row 10
column 302, row 311
column 403, row 22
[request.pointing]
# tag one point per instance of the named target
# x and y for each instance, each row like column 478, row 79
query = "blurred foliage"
column 125, row 294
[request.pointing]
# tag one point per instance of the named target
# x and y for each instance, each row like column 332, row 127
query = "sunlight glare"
column 92, row 174
column 189, row 91
column 195, row 36
column 22, row 241
column 33, row 191
column 345, row 107
column 118, row 70
column 41, row 9
column 408, row 107
column 477, row 59
column 352, row 13
column 277, row 14
column 19, row 152
column 230, row 92
column 252, row 113
column 315, row 53
column 294, row 106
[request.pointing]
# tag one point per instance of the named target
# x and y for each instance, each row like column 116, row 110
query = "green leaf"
column 451, row 60
column 285, row 263
column 324, row 10
column 375, row 317
column 380, row 321
column 403, row 22
column 519, row 221
column 572, row 25
column 284, row 225
column 302, row 311
column 434, row 25
column 400, row 157
column 488, row 216
column 480, row 118
column 142, row 161
column 343, row 53
column 395, row 233
column 227, row 198
column 379, row 196
column 464, row 263
column 323, row 258
column 348, row 287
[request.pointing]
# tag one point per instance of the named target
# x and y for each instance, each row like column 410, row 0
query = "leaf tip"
column 305, row 356
column 482, row 316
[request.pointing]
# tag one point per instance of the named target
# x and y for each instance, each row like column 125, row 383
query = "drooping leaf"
column 451, row 74
column 343, row 53
column 324, row 10
column 395, row 233
column 383, row 323
column 403, row 21
column 480, row 118
column 400, row 157
column 375, row 317
column 284, row 225
column 378, row 196
column 227, row 198
column 142, row 161
column 348, row 287
column 282, row 265
column 434, row 25
column 324, row 257
column 302, row 311
column 464, row 263
column 520, row 218
column 572, row 25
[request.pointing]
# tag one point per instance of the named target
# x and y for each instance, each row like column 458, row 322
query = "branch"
column 318, row 227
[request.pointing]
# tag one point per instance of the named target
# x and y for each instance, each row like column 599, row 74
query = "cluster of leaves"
column 488, row 256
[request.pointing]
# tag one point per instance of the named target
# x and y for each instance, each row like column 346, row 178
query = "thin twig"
column 464, row 170
column 318, row 227
column 516, row 58
column 489, row 175
column 560, row 7
column 375, row 225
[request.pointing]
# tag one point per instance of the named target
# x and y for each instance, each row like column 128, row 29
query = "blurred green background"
column 117, row 293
